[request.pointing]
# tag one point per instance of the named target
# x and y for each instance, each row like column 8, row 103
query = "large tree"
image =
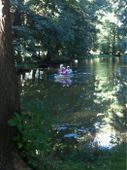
column 56, row 29
column 9, row 97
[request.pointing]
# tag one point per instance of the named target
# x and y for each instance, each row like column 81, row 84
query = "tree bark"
column 9, row 97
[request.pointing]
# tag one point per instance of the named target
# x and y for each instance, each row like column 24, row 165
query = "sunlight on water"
column 90, row 101
column 104, row 140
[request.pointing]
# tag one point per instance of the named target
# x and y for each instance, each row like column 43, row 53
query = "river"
column 90, row 106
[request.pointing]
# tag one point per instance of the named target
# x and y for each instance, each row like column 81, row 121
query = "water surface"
column 90, row 105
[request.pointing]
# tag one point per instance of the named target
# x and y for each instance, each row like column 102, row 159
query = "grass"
column 108, row 160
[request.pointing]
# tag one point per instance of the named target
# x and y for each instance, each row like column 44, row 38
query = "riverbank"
column 114, row 159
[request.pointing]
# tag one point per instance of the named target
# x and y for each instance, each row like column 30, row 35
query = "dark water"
column 91, row 105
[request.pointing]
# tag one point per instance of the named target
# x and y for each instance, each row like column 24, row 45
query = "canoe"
column 62, row 77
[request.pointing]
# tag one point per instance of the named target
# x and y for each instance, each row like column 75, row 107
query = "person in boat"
column 68, row 70
column 62, row 70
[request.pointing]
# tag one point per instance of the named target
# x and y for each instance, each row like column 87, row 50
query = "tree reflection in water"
column 112, row 92
column 97, row 95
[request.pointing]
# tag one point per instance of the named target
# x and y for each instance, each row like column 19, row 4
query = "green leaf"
column 12, row 122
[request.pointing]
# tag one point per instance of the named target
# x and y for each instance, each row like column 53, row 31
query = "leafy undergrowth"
column 36, row 146
column 114, row 159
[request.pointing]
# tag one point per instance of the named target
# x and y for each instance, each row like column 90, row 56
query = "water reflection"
column 112, row 94
column 65, row 82
column 93, row 108
column 104, row 140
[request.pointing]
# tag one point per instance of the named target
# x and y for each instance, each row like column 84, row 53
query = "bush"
column 33, row 139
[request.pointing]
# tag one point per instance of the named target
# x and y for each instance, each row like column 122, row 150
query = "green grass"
column 108, row 160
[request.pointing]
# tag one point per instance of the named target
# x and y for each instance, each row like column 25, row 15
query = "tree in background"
column 9, row 97
column 112, row 26
column 55, row 29
column 122, row 15
column 61, row 29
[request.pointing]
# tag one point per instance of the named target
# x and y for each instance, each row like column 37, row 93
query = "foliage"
column 114, row 159
column 122, row 15
column 67, row 29
column 112, row 26
column 56, row 28
column 34, row 142
column 108, row 159
column 33, row 139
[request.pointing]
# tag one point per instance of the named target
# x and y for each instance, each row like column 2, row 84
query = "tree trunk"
column 9, row 97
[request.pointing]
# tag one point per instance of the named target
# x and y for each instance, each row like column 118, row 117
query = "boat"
column 65, row 80
column 63, row 77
